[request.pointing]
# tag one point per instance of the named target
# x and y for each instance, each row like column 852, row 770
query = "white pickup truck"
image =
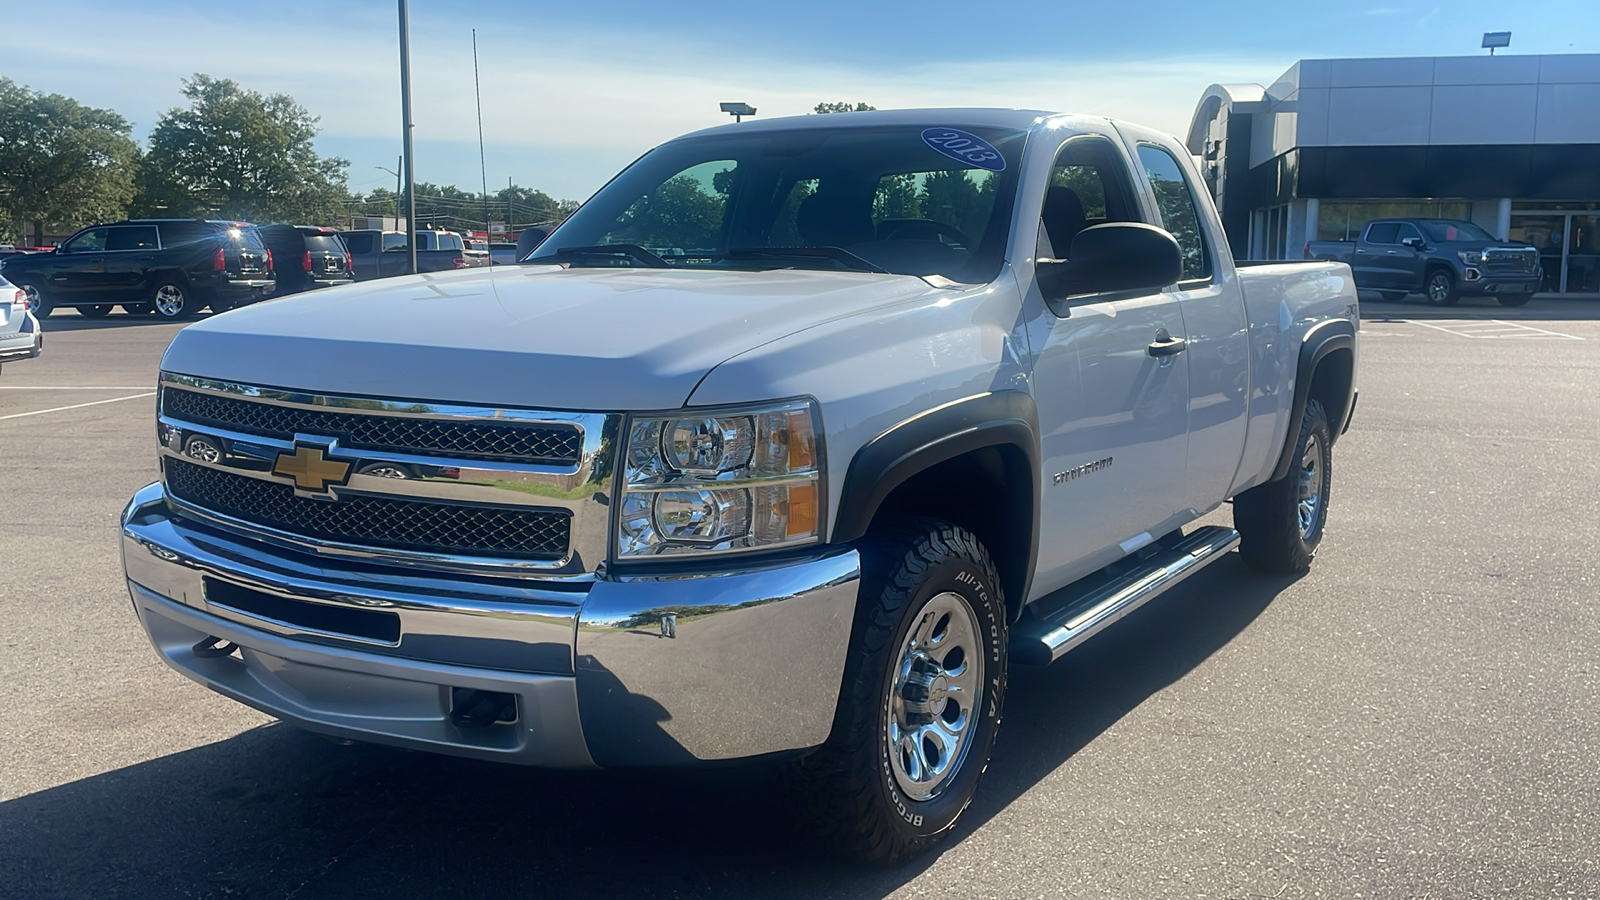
column 786, row 445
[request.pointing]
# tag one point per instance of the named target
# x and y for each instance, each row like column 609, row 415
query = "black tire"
column 853, row 790
column 138, row 309
column 1440, row 288
column 1513, row 299
column 173, row 300
column 95, row 312
column 1274, row 534
column 1394, row 296
column 38, row 301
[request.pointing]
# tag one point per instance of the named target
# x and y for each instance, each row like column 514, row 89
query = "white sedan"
column 20, row 335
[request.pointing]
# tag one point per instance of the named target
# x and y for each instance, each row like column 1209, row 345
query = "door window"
column 132, row 237
column 1407, row 231
column 1384, row 233
column 393, row 242
column 1089, row 185
column 1176, row 205
column 91, row 241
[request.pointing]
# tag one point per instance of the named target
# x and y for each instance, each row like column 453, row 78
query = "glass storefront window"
column 1555, row 204
column 1569, row 248
column 1342, row 220
column 1583, row 255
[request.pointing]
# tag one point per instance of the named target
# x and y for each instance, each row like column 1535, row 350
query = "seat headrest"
column 1063, row 218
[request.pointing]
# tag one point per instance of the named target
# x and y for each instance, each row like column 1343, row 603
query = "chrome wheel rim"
column 32, row 293
column 169, row 300
column 1310, row 505
column 935, row 694
column 1439, row 289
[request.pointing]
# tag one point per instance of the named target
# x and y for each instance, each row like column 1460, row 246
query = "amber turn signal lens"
column 802, row 442
column 802, row 510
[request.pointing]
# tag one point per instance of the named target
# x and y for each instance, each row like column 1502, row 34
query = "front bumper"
column 1475, row 280
column 618, row 671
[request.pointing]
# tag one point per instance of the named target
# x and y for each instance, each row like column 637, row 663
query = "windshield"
column 905, row 199
column 1453, row 230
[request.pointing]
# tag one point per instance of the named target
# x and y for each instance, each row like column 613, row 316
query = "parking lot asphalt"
column 1417, row 717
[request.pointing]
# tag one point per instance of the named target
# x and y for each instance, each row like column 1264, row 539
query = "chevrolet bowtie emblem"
column 311, row 470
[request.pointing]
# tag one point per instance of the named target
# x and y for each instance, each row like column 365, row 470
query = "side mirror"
column 1117, row 257
column 1414, row 243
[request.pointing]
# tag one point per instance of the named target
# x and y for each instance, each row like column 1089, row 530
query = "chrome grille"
column 532, row 442
column 1511, row 259
column 411, row 525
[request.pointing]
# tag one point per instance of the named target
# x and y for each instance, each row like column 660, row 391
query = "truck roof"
column 931, row 118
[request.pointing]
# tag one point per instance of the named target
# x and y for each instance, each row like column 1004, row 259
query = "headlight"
column 1470, row 257
column 724, row 480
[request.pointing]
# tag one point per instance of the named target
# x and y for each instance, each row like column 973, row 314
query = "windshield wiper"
column 837, row 254
column 633, row 251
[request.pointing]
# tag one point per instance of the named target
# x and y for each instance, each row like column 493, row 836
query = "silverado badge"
column 310, row 468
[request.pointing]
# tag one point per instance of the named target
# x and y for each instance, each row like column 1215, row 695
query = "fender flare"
column 1007, row 420
column 1320, row 340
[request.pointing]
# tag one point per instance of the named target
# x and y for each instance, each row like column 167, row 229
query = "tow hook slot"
column 472, row 708
column 214, row 647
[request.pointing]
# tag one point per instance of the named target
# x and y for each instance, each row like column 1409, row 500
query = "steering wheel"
column 928, row 230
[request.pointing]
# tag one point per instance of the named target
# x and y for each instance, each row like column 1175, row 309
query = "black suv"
column 306, row 257
column 171, row 267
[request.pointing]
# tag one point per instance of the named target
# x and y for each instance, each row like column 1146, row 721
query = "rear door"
column 1216, row 325
column 130, row 252
column 1114, row 419
column 1374, row 263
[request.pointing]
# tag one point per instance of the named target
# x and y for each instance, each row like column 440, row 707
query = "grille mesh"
column 549, row 444
column 375, row 521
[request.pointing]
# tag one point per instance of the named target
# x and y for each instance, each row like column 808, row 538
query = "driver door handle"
column 1170, row 347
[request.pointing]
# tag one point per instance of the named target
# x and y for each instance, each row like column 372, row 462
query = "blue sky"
column 574, row 91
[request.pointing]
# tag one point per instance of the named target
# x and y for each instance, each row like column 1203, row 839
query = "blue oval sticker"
column 964, row 147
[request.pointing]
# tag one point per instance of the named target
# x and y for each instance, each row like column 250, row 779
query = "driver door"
column 1113, row 417
column 79, row 276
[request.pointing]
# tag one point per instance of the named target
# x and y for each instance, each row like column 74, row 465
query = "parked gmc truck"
column 1442, row 259
column 785, row 446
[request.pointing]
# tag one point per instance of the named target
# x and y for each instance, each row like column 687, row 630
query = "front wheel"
column 921, row 700
column 1513, row 299
column 1441, row 288
column 1281, row 522
column 38, row 302
column 172, row 300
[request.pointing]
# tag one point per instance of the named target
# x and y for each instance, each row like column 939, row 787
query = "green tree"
column 896, row 198
column 240, row 154
column 62, row 164
column 824, row 108
column 954, row 198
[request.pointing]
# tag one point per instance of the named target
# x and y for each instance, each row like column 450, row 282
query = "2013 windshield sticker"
column 964, row 147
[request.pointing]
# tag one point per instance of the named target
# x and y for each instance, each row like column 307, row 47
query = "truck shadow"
column 274, row 812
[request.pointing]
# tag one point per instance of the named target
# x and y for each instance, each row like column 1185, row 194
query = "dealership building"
column 1509, row 142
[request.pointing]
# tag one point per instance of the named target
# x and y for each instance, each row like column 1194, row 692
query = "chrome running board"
column 1061, row 621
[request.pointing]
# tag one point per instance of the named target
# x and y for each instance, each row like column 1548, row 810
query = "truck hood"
column 534, row 336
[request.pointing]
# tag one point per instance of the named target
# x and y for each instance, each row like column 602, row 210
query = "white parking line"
column 1499, row 329
column 40, row 412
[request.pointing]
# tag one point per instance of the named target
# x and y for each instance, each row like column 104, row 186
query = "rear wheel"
column 95, row 312
column 172, row 300
column 1394, row 296
column 38, row 301
column 1441, row 288
column 920, row 705
column 1281, row 522
column 1513, row 299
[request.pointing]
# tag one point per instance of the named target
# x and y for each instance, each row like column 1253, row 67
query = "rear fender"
column 1320, row 342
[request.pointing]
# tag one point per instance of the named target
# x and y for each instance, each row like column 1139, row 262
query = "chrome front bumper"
column 621, row 671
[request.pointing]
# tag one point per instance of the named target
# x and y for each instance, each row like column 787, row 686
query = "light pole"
column 396, row 173
column 405, row 145
column 738, row 109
